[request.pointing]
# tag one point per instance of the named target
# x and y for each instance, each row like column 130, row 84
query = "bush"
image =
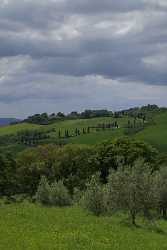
column 55, row 194
column 19, row 198
column 94, row 197
column 77, row 195
column 43, row 192
column 59, row 195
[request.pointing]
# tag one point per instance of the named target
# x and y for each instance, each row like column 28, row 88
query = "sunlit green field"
column 31, row 227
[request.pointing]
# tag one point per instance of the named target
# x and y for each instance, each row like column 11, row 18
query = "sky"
column 65, row 55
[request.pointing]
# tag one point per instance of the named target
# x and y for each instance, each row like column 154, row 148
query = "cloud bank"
column 74, row 54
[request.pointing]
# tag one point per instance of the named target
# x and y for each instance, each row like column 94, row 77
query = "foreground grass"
column 31, row 227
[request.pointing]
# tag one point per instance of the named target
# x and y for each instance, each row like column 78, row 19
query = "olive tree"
column 162, row 189
column 132, row 189
column 94, row 197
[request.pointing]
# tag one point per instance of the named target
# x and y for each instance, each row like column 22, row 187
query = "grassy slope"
column 31, row 227
column 93, row 137
column 155, row 134
column 13, row 129
column 71, row 125
column 68, row 124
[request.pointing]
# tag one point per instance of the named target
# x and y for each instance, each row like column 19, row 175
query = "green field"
column 155, row 133
column 31, row 227
column 13, row 129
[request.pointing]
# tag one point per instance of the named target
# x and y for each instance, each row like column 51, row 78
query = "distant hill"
column 148, row 124
column 7, row 121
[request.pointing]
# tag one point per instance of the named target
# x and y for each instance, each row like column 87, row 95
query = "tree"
column 43, row 191
column 162, row 189
column 74, row 115
column 83, row 130
column 60, row 115
column 70, row 163
column 55, row 194
column 108, row 152
column 133, row 189
column 76, row 132
column 59, row 194
column 33, row 163
column 94, row 197
column 8, row 184
column 74, row 166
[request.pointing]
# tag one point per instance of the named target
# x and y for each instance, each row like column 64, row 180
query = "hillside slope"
column 155, row 133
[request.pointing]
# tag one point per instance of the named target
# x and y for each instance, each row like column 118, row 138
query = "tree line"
column 120, row 175
column 144, row 112
column 45, row 119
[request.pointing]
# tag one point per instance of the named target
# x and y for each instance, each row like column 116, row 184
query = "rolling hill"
column 154, row 133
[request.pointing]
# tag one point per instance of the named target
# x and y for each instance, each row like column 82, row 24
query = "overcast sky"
column 64, row 55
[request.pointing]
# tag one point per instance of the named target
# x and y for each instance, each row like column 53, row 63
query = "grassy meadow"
column 33, row 227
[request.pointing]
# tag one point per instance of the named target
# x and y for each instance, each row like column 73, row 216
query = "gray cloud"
column 56, row 50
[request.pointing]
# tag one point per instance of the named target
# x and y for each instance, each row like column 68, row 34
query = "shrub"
column 94, row 197
column 77, row 195
column 55, row 194
column 43, row 192
column 59, row 195
column 19, row 198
